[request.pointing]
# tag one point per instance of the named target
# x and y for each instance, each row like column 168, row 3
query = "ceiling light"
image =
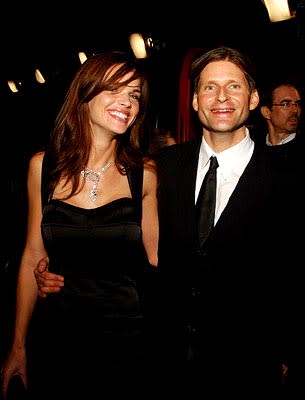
column 82, row 56
column 39, row 77
column 137, row 44
column 13, row 86
column 278, row 10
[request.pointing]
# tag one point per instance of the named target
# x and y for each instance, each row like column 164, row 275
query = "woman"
column 93, row 211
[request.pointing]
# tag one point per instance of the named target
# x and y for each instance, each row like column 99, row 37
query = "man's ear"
column 195, row 101
column 265, row 111
column 254, row 100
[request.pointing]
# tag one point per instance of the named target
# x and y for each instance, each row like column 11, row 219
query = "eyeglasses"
column 287, row 104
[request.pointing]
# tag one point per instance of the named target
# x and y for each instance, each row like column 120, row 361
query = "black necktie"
column 205, row 206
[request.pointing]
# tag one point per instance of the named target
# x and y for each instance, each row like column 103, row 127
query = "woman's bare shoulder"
column 36, row 159
column 150, row 167
column 149, row 164
column 150, row 176
column 35, row 165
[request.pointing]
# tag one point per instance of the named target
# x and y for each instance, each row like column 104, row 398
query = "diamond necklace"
column 95, row 177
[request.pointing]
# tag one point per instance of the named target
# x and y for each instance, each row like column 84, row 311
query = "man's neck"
column 274, row 139
column 220, row 141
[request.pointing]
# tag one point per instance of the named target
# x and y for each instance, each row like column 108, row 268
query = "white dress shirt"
column 232, row 163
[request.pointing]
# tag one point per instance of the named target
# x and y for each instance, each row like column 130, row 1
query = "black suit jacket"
column 222, row 308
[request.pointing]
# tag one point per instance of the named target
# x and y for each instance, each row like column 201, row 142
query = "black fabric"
column 135, row 179
column 206, row 202
column 45, row 178
column 94, row 328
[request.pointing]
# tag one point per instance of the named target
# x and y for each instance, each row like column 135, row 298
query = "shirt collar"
column 231, row 160
column 283, row 141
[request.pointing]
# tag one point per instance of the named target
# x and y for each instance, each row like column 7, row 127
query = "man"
column 222, row 306
column 218, row 315
column 281, row 108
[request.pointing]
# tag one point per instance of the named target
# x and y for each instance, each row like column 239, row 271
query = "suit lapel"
column 240, row 202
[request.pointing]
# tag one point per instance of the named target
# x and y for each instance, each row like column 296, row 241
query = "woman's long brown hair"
column 71, row 136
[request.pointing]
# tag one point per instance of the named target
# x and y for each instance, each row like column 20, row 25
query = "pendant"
column 95, row 177
column 93, row 193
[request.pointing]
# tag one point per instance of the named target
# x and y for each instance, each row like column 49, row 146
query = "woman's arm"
column 150, row 221
column 27, row 291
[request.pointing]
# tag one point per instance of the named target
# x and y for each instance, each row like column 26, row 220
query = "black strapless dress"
column 94, row 329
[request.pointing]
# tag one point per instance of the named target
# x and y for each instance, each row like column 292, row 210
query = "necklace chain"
column 93, row 176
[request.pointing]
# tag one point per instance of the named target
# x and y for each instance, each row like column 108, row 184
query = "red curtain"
column 186, row 127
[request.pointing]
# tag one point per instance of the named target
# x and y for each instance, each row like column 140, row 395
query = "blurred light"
column 82, row 56
column 13, row 87
column 278, row 10
column 154, row 45
column 39, row 77
column 137, row 45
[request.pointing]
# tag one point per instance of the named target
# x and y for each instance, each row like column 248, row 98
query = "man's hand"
column 46, row 281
